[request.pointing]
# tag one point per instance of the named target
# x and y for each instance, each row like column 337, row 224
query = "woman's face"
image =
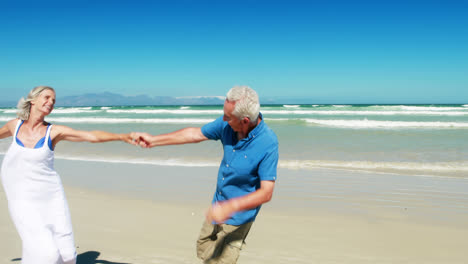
column 45, row 101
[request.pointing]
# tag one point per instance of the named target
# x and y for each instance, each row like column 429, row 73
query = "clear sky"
column 340, row 51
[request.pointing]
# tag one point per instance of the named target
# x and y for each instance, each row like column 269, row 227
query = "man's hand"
column 221, row 211
column 141, row 139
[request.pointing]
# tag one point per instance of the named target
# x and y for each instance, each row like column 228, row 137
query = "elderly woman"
column 36, row 199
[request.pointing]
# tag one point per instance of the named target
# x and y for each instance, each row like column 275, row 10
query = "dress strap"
column 47, row 139
column 20, row 122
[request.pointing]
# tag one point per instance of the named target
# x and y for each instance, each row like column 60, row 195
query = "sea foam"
column 362, row 124
column 165, row 111
column 103, row 120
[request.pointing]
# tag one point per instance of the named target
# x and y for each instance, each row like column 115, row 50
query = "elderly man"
column 246, row 176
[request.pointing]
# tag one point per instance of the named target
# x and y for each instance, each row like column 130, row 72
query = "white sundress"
column 37, row 204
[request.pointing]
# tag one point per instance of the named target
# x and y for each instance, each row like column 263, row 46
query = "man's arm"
column 221, row 211
column 182, row 136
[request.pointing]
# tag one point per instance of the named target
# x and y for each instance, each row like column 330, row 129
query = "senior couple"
column 37, row 203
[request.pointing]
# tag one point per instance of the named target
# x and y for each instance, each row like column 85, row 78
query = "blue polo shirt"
column 245, row 163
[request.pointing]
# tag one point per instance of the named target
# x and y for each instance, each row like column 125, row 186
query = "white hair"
column 24, row 105
column 246, row 102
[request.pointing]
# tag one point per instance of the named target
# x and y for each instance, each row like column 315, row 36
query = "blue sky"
column 335, row 51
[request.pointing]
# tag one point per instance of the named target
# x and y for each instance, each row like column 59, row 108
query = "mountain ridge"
column 114, row 99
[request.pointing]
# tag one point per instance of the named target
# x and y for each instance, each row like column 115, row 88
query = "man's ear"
column 245, row 120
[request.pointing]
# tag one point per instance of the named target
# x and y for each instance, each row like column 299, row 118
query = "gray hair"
column 246, row 102
column 24, row 105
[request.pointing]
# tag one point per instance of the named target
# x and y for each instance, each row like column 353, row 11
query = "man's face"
column 232, row 120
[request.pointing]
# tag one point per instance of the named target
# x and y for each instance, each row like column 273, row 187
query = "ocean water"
column 427, row 140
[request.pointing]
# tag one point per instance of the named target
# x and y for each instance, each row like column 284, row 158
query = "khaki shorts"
column 221, row 243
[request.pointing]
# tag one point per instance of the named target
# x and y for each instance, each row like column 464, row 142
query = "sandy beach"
column 139, row 214
column 367, row 101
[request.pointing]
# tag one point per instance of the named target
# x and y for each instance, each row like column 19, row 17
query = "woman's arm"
column 60, row 133
column 8, row 129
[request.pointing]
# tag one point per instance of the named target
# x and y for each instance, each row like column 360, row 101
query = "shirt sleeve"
column 214, row 129
column 267, row 169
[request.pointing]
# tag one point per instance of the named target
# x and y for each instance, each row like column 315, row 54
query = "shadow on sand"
column 89, row 257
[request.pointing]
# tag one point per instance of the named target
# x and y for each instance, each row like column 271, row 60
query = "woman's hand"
column 141, row 139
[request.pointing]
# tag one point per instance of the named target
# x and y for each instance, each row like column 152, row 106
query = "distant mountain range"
column 112, row 99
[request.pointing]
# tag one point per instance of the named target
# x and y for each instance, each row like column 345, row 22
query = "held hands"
column 140, row 139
